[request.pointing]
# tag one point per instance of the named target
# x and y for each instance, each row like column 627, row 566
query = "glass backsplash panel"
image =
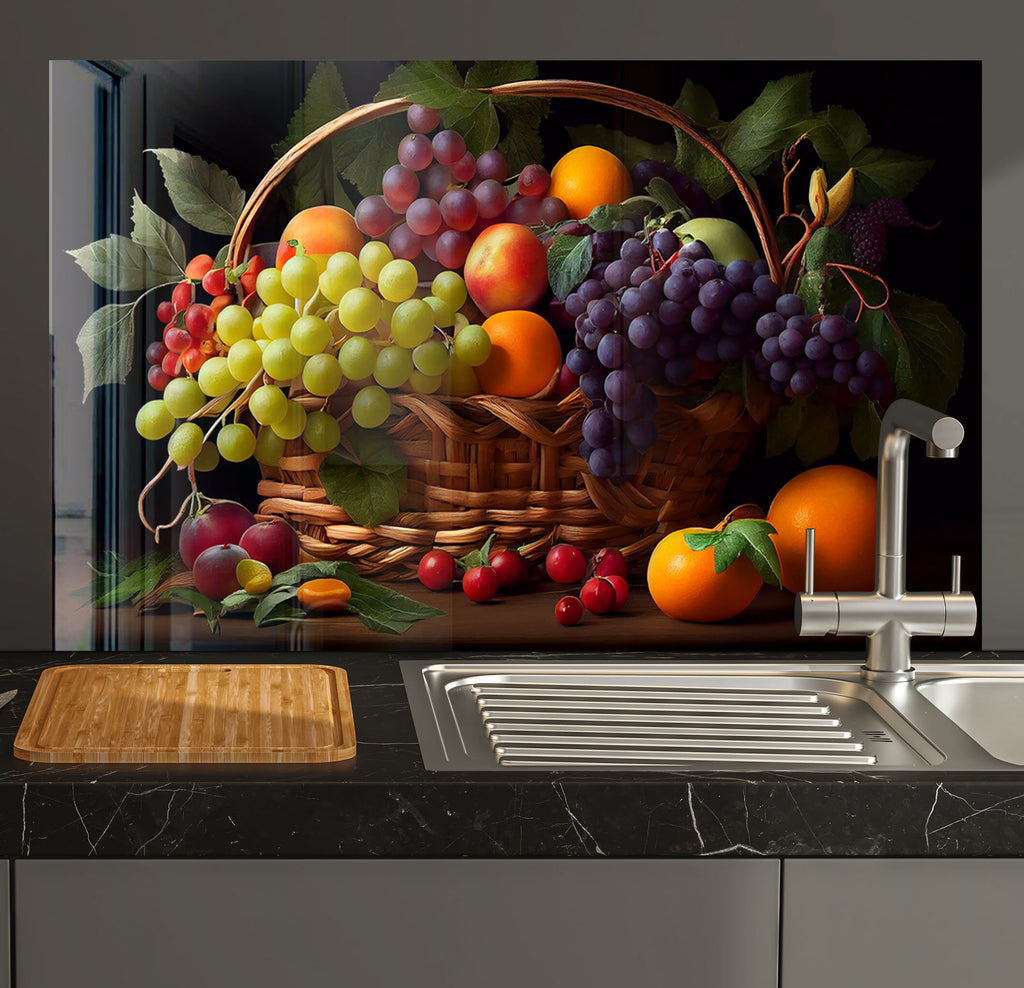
column 633, row 324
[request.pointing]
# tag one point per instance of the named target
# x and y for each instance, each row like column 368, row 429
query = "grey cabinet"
column 940, row 923
column 397, row 923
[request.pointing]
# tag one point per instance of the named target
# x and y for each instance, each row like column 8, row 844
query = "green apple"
column 726, row 240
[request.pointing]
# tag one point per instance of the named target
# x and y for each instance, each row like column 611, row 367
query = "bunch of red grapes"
column 439, row 196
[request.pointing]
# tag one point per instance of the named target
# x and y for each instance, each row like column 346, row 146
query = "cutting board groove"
column 219, row 712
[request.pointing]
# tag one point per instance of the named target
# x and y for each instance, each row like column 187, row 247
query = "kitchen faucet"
column 889, row 615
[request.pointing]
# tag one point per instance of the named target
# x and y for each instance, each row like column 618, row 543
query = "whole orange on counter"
column 587, row 177
column 525, row 354
column 685, row 586
column 322, row 231
column 506, row 268
column 839, row 503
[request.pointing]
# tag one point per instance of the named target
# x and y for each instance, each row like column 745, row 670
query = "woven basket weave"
column 488, row 464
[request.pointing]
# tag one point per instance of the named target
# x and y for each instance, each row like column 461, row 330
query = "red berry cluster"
column 506, row 569
column 605, row 591
column 439, row 197
column 188, row 338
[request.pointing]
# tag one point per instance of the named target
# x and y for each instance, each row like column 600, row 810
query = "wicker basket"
column 487, row 464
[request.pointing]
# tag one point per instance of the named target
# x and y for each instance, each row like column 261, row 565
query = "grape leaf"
column 875, row 332
column 630, row 150
column 569, row 260
column 699, row 105
column 928, row 368
column 784, row 428
column 837, row 135
column 157, row 237
column 430, row 83
column 701, row 165
column 885, row 172
column 315, row 177
column 819, row 433
column 120, row 264
column 475, row 118
column 369, row 489
column 521, row 144
column 866, row 428
column 496, row 73
column 203, row 195
column 106, row 342
column 778, row 116
column 198, row 602
column 370, row 150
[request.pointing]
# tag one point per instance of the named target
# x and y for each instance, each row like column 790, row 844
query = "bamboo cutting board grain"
column 223, row 712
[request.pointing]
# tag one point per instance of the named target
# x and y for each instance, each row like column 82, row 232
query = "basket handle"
column 547, row 88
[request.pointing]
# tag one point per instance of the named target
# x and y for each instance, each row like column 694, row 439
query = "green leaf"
column 369, row 150
column 475, row 118
column 370, row 489
column 203, row 195
column 866, row 428
column 884, row 172
column 161, row 242
column 431, row 83
column 838, row 135
column 827, row 246
column 727, row 550
column 779, row 115
column 928, row 368
column 198, row 602
column 699, row 105
column 120, row 264
column 758, row 547
column 569, row 260
column 785, row 427
column 315, row 177
column 630, row 150
column 478, row 557
column 486, row 73
column 819, row 433
column 636, row 208
column 119, row 581
column 695, row 161
column 664, row 195
column 302, row 572
column 875, row 332
column 523, row 115
column 701, row 540
column 106, row 342
column 278, row 605
column 811, row 291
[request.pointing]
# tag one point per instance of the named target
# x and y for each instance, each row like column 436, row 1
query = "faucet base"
column 887, row 676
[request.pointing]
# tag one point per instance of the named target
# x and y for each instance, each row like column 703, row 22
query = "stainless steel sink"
column 989, row 709
column 590, row 715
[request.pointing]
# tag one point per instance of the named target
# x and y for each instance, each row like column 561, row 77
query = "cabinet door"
column 5, row 924
column 394, row 923
column 940, row 923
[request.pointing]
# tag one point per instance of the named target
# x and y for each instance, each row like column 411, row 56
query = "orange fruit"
column 587, row 177
column 525, row 354
column 685, row 586
column 839, row 503
column 324, row 595
column 322, row 231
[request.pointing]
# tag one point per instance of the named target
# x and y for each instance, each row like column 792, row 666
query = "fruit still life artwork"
column 463, row 346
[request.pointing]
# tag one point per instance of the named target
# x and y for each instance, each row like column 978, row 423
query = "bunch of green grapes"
column 359, row 319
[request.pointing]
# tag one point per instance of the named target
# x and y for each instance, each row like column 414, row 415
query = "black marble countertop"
column 384, row 803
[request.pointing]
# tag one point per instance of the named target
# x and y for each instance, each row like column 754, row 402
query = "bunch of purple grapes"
column 690, row 192
column 646, row 311
column 868, row 226
column 439, row 196
column 798, row 354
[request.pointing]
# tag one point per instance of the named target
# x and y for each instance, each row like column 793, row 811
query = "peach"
column 322, row 231
column 507, row 268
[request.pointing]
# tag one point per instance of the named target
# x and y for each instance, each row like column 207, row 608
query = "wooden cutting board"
column 223, row 712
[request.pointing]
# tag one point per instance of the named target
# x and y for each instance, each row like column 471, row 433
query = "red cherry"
column 512, row 569
column 181, row 297
column 215, row 281
column 480, row 583
column 598, row 595
column 610, row 562
column 565, row 563
column 436, row 570
column 569, row 610
column 621, row 589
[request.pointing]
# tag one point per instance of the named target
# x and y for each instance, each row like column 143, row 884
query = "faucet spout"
column 943, row 435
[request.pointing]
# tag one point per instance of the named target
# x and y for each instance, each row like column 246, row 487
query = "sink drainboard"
column 530, row 724
column 593, row 718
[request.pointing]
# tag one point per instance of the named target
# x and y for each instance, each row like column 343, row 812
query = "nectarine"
column 507, row 268
column 322, row 231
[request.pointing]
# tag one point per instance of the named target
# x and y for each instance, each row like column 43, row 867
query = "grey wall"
column 656, row 30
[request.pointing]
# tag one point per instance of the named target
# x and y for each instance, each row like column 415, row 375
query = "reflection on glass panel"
column 571, row 321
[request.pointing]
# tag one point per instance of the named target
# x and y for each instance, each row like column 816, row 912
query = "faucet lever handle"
column 809, row 560
column 956, row 574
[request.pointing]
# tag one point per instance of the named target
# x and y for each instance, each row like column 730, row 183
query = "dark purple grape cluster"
column 691, row 193
column 867, row 227
column 798, row 354
column 646, row 311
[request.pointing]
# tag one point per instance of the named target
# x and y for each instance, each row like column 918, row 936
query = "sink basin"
column 588, row 714
column 989, row 709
